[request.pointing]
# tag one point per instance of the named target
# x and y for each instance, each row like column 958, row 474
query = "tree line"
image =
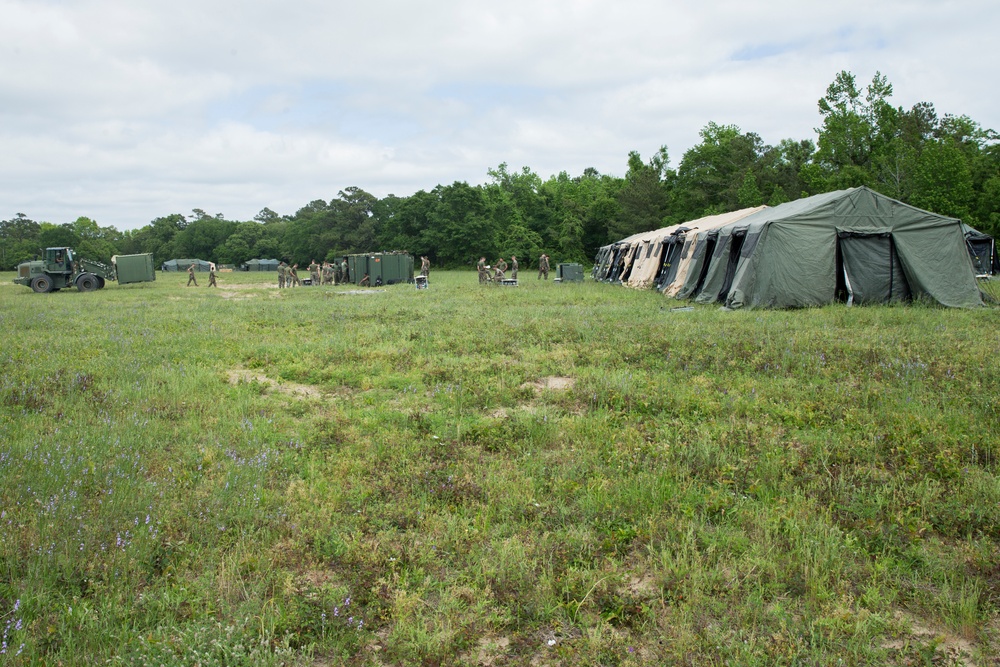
column 946, row 164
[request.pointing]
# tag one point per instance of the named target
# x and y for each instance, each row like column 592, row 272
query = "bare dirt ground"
column 238, row 375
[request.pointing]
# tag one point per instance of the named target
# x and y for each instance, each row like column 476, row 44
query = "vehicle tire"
column 87, row 282
column 42, row 284
column 100, row 282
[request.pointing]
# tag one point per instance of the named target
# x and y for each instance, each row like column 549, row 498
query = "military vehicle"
column 60, row 267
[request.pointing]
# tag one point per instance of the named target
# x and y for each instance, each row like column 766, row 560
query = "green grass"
column 552, row 474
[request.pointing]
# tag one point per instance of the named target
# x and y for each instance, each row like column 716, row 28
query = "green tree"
column 857, row 126
column 713, row 172
column 51, row 236
column 18, row 241
column 644, row 197
column 749, row 194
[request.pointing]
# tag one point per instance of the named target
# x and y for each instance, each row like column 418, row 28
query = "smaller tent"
column 260, row 265
column 183, row 264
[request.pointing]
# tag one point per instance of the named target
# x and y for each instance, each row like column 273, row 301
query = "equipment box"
column 134, row 268
column 569, row 273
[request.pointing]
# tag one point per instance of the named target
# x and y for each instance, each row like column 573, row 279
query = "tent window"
column 749, row 244
column 981, row 251
column 871, row 269
column 669, row 269
column 737, row 244
column 709, row 250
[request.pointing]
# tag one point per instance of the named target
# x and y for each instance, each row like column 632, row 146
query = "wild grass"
column 557, row 474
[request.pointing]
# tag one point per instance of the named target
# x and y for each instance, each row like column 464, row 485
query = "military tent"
column 686, row 252
column 614, row 261
column 183, row 264
column 853, row 245
column 260, row 265
column 648, row 256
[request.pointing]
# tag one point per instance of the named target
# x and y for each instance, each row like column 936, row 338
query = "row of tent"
column 260, row 265
column 853, row 245
column 183, row 264
column 202, row 265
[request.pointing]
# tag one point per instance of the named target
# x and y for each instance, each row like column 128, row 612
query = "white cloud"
column 127, row 111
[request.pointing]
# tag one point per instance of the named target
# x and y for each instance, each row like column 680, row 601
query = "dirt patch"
column 492, row 651
column 352, row 292
column 288, row 388
column 553, row 382
column 957, row 650
column 228, row 293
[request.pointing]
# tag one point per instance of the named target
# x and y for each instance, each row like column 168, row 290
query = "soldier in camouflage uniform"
column 543, row 266
column 191, row 278
column 314, row 273
column 281, row 274
column 513, row 267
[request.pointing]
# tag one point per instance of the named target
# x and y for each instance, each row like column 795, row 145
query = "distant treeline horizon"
column 949, row 165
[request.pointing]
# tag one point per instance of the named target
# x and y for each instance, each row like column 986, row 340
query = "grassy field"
column 542, row 475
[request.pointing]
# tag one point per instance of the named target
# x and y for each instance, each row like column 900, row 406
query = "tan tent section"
column 622, row 267
column 648, row 251
column 700, row 229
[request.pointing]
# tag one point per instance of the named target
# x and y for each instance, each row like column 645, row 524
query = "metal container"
column 134, row 268
column 569, row 273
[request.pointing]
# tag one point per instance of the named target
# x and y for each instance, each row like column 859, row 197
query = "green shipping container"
column 569, row 273
column 390, row 268
column 134, row 268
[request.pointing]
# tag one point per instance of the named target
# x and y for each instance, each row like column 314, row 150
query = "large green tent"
column 854, row 245
column 183, row 264
column 261, row 265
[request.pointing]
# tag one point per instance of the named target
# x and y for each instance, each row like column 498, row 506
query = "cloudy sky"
column 124, row 111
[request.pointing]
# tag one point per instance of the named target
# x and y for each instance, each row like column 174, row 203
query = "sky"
column 126, row 111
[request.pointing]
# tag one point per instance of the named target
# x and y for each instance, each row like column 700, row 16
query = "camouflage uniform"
column 281, row 275
column 191, row 278
column 513, row 267
column 211, row 278
column 344, row 276
column 481, row 268
column 543, row 266
column 314, row 273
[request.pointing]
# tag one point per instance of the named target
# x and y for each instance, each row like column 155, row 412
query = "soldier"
column 502, row 266
column 281, row 274
column 191, row 278
column 292, row 279
column 481, row 268
column 314, row 273
column 543, row 266
column 211, row 276
column 513, row 267
column 365, row 282
column 344, row 276
column 327, row 273
column 425, row 266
